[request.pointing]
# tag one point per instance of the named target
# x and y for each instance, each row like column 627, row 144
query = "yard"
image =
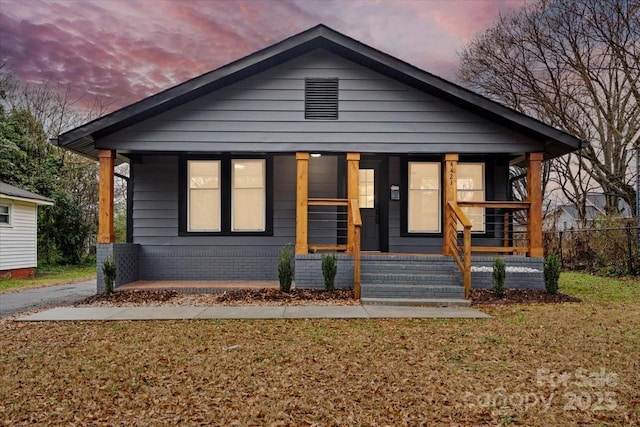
column 556, row 364
column 51, row 275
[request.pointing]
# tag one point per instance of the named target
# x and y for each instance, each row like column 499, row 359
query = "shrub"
column 551, row 273
column 109, row 272
column 499, row 274
column 285, row 268
column 329, row 270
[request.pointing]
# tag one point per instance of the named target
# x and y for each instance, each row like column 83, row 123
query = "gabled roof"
column 14, row 193
column 81, row 139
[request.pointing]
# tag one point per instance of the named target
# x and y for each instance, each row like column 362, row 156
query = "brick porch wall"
column 177, row 264
column 126, row 258
column 308, row 272
column 513, row 280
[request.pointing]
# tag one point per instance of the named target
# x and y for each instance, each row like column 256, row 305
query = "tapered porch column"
column 450, row 193
column 302, row 201
column 353, row 179
column 106, row 160
column 534, row 197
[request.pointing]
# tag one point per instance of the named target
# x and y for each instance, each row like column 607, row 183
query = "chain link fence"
column 610, row 250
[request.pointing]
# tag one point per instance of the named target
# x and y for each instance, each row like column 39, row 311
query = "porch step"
column 407, row 278
column 404, row 291
column 410, row 279
column 417, row 302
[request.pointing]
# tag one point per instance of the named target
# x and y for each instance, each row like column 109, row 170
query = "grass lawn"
column 48, row 276
column 538, row 365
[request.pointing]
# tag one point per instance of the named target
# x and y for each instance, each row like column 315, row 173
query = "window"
column 5, row 215
column 204, row 195
column 366, row 190
column 423, row 205
column 225, row 196
column 471, row 189
column 321, row 99
column 248, row 195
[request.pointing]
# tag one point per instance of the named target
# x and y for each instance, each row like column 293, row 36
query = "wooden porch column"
column 106, row 160
column 534, row 196
column 353, row 179
column 302, row 202
column 450, row 193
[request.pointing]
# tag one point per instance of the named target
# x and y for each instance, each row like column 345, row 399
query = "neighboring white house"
column 19, row 231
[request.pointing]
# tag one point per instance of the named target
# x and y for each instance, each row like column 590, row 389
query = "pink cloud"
column 124, row 51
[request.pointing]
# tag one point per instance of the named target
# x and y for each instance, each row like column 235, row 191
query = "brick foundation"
column 18, row 273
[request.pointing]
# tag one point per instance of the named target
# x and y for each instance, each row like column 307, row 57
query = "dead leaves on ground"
column 324, row 372
column 519, row 296
column 265, row 296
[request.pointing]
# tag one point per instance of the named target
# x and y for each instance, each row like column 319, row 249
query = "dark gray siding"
column 266, row 113
column 166, row 255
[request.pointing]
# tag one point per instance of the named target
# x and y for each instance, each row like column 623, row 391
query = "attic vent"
column 321, row 99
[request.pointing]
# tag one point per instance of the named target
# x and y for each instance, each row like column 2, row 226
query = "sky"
column 123, row 51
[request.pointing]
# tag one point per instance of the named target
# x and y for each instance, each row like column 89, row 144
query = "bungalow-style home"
column 331, row 145
column 19, row 231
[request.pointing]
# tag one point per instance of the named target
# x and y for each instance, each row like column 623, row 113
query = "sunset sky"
column 126, row 50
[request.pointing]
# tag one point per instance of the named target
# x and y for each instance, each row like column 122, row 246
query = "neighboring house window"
column 423, row 204
column 321, row 99
column 5, row 215
column 471, row 189
column 226, row 196
column 203, row 195
column 248, row 195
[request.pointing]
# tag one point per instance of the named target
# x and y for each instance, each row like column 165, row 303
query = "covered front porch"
column 508, row 227
column 520, row 222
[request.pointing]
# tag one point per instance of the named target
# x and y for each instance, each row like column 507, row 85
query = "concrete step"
column 386, row 290
column 418, row 302
column 411, row 279
column 407, row 268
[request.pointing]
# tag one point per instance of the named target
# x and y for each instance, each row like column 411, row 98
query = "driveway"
column 15, row 302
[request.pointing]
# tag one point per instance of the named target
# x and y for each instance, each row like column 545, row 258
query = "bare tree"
column 574, row 64
column 56, row 109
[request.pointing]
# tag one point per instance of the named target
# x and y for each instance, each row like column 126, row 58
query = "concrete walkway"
column 28, row 299
column 252, row 312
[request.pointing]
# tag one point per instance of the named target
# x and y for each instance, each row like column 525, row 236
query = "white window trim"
column 10, row 214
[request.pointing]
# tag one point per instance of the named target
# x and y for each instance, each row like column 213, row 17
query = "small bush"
column 499, row 274
column 109, row 272
column 285, row 268
column 551, row 273
column 329, row 270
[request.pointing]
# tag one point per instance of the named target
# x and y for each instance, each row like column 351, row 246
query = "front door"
column 371, row 206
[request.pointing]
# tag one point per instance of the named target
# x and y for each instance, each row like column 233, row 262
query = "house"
column 566, row 217
column 19, row 231
column 328, row 144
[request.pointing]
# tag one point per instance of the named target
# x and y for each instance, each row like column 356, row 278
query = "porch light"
column 316, row 154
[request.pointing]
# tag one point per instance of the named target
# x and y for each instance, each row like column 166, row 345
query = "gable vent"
column 321, row 99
